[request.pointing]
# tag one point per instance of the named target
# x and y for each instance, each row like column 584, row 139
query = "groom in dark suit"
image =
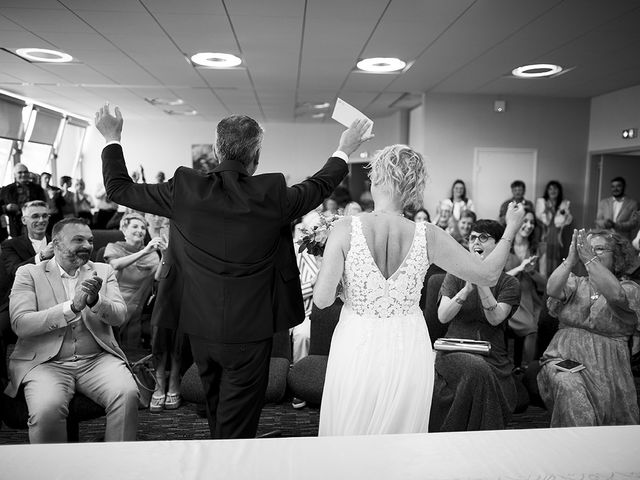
column 232, row 249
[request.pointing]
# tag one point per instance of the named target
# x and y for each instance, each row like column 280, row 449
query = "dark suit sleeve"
column 4, row 191
column 149, row 198
column 307, row 195
column 38, row 193
column 12, row 258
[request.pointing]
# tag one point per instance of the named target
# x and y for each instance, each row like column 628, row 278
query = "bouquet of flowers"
column 314, row 238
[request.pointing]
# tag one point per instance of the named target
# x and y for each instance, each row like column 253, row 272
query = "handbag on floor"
column 145, row 379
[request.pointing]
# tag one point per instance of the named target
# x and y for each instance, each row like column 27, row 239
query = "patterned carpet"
column 276, row 420
column 185, row 424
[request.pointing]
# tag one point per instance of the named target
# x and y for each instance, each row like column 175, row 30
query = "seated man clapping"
column 62, row 311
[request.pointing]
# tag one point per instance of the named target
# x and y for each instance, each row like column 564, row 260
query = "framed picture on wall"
column 203, row 157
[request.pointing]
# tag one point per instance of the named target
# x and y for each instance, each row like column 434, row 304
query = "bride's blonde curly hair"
column 401, row 171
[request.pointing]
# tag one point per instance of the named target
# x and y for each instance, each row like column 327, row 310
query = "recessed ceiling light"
column 319, row 106
column 318, row 115
column 44, row 55
column 537, row 70
column 187, row 113
column 216, row 60
column 381, row 65
column 164, row 101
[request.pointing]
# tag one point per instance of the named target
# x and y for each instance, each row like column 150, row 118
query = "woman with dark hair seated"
column 598, row 314
column 522, row 263
column 473, row 391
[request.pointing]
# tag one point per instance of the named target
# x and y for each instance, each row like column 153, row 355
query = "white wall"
column 295, row 149
column 448, row 127
column 610, row 114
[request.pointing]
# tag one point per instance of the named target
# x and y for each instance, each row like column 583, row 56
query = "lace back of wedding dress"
column 368, row 292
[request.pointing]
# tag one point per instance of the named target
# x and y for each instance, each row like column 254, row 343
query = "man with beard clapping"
column 63, row 311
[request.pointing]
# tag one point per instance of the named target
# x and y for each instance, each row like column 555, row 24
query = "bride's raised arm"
column 447, row 253
column 335, row 251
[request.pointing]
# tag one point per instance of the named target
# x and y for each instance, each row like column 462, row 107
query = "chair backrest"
column 100, row 240
column 436, row 329
column 323, row 323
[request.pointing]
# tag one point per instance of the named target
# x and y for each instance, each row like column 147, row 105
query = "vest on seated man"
column 62, row 311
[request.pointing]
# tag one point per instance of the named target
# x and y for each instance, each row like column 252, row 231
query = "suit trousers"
column 234, row 378
column 104, row 378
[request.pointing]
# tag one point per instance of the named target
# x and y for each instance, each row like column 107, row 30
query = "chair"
column 14, row 413
column 100, row 240
column 191, row 386
column 306, row 377
column 435, row 327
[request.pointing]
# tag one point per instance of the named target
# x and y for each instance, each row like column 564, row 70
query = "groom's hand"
column 109, row 126
column 354, row 136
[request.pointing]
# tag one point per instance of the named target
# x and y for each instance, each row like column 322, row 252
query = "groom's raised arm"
column 120, row 188
column 307, row 195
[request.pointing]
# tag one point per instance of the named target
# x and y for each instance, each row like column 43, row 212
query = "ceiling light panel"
column 537, row 70
column 216, row 60
column 381, row 65
column 45, row 55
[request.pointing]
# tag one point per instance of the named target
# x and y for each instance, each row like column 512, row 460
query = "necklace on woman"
column 595, row 295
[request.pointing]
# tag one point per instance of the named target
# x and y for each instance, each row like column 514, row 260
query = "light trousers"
column 301, row 338
column 105, row 379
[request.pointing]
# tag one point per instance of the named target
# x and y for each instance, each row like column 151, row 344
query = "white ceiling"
column 299, row 51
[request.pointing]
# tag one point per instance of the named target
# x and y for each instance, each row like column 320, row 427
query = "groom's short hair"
column 239, row 138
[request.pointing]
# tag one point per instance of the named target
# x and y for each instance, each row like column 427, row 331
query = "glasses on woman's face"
column 601, row 250
column 483, row 237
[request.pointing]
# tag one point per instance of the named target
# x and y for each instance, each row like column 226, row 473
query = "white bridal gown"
column 381, row 365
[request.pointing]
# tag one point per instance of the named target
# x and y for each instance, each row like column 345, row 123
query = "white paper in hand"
column 346, row 114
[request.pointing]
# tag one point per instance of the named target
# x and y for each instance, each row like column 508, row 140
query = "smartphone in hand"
column 570, row 366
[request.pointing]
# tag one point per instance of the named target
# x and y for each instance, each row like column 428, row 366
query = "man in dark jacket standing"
column 15, row 195
column 232, row 249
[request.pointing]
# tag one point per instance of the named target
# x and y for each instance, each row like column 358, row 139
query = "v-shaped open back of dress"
column 380, row 370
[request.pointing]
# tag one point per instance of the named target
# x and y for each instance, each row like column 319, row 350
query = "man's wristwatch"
column 74, row 309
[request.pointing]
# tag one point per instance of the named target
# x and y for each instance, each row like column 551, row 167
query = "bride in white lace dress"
column 380, row 371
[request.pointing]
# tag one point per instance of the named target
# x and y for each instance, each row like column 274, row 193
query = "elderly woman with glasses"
column 473, row 391
column 598, row 314
column 135, row 265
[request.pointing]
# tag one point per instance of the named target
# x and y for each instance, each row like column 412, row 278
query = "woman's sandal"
column 157, row 403
column 174, row 400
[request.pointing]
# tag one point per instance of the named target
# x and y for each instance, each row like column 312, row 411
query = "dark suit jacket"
column 15, row 253
column 230, row 240
column 9, row 194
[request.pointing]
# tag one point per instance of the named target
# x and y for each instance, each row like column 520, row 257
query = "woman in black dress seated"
column 474, row 391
